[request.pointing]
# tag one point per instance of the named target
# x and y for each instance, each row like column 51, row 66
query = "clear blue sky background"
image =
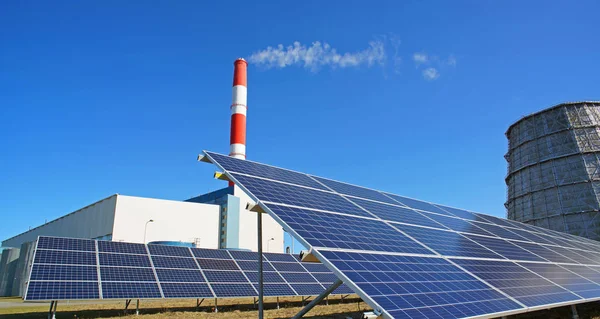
column 111, row 97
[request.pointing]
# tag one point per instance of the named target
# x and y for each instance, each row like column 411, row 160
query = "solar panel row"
column 415, row 259
column 69, row 268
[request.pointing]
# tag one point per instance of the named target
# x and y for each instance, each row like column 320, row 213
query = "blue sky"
column 111, row 97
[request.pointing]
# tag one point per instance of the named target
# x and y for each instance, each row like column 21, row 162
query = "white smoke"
column 318, row 55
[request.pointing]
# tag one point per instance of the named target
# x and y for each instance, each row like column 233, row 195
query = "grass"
column 183, row 309
column 239, row 308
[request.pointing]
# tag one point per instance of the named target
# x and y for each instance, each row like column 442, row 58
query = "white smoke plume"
column 318, row 55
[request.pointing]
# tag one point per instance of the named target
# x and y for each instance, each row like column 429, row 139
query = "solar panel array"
column 69, row 268
column 414, row 259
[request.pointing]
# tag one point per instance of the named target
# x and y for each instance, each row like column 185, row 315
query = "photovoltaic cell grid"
column 525, row 267
column 69, row 268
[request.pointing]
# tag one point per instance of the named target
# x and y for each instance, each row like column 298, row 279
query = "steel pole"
column 260, row 266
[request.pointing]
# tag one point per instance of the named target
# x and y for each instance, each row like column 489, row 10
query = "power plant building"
column 553, row 175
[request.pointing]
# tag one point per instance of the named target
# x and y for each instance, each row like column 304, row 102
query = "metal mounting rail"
column 320, row 298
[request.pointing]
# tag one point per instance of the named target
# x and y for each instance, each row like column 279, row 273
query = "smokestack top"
column 239, row 72
column 240, row 60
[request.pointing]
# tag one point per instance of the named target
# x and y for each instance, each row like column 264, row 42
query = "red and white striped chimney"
column 237, row 141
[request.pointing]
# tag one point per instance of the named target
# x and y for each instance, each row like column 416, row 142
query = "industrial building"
column 553, row 175
column 215, row 220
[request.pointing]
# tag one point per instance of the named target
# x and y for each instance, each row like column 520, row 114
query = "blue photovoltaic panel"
column 276, row 290
column 579, row 256
column 288, row 267
column 225, row 276
column 130, row 290
column 330, row 230
column 279, row 257
column 500, row 231
column 518, row 282
column 461, row 213
column 262, row 170
column 419, row 287
column 397, row 213
column 62, row 272
column 268, row 276
column 179, row 275
column 57, row 290
column 592, row 274
column 186, row 290
column 505, row 248
column 233, row 290
column 353, row 190
column 174, row 262
column 59, row 243
column 64, row 257
column 253, row 265
column 494, row 241
column 244, row 255
column 299, row 196
column 210, row 253
column 315, row 267
column 566, row 279
column 341, row 290
column 122, row 248
column 123, row 260
column 126, row 274
column 175, row 251
column 420, row 205
column 298, row 277
column 308, row 289
column 218, row 264
column 325, row 277
column 448, row 243
column 458, row 224
column 544, row 252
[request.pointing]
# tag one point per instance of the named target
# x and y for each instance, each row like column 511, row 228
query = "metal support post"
column 277, row 302
column 254, row 302
column 260, row 266
column 574, row 311
column 52, row 311
column 127, row 302
column 320, row 298
column 137, row 307
column 199, row 302
column 327, row 301
column 216, row 306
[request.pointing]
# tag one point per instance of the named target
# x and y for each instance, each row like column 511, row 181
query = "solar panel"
column 262, row 170
column 353, row 190
column 504, row 266
column 186, row 290
column 60, row 290
column 329, row 230
column 518, row 282
column 397, row 213
column 127, row 271
column 299, row 196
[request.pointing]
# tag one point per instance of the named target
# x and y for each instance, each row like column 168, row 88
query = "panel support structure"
column 574, row 311
column 319, row 298
column 260, row 266
column 52, row 311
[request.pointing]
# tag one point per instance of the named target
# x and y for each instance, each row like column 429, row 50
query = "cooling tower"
column 554, row 169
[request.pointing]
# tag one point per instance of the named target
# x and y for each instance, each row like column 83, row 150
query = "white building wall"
column 248, row 228
column 91, row 221
column 173, row 221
